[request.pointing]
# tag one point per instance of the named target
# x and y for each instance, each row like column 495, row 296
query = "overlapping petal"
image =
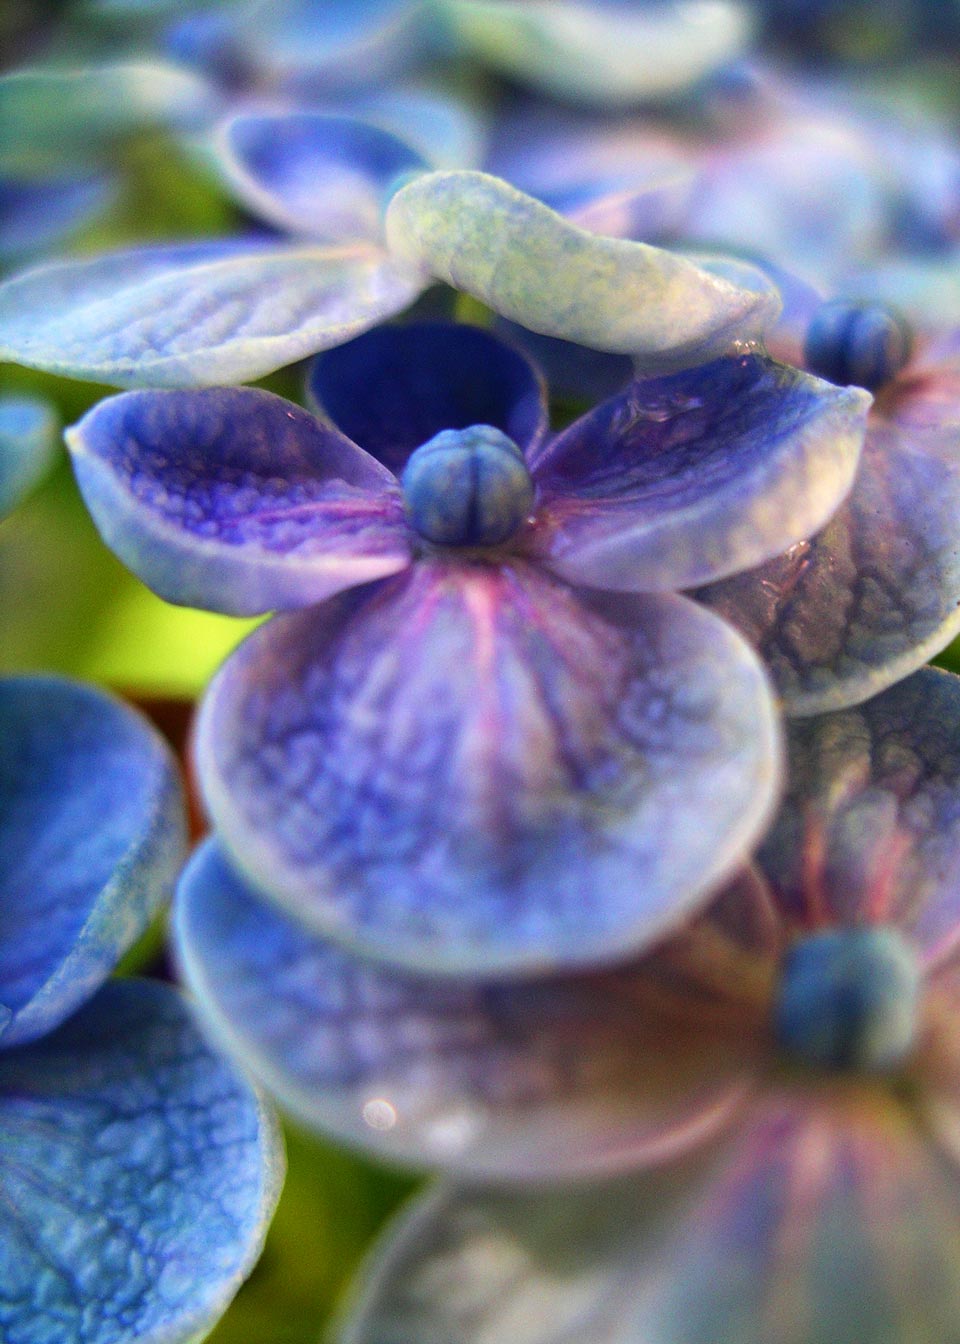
column 394, row 388
column 524, row 1080
column 28, row 441
column 236, row 500
column 467, row 768
column 483, row 236
column 196, row 315
column 92, row 832
column 139, row 1173
column 877, row 592
column 696, row 474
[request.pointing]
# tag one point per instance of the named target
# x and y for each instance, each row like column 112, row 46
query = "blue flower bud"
column 468, row 487
column 852, row 343
column 848, row 999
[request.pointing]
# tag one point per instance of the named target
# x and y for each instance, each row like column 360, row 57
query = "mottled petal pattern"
column 395, row 388
column 469, row 768
column 236, row 500
column 483, row 236
column 876, row 593
column 138, row 1172
column 28, row 442
column 92, row 832
column 527, row 1079
column 697, row 474
column 196, row 315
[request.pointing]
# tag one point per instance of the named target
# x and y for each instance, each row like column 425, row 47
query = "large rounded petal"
column 236, row 500
column 92, row 832
column 525, row 1080
column 468, row 769
column 28, row 442
column 877, row 593
column 138, row 1171
column 194, row 315
column 696, row 475
column 312, row 173
column 394, row 388
column 533, row 266
column 831, row 1220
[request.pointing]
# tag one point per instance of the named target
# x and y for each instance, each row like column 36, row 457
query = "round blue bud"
column 862, row 344
column 848, row 999
column 468, row 487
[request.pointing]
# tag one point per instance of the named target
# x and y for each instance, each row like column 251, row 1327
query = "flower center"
column 862, row 344
column 468, row 487
column 848, row 999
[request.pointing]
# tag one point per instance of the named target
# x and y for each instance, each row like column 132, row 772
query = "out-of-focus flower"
column 138, row 1171
column 28, row 442
column 785, row 1073
column 471, row 764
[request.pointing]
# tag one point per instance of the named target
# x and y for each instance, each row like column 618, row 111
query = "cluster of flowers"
column 582, row 826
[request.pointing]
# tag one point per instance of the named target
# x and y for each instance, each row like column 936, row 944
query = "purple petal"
column 468, row 768
column 697, row 473
column 236, row 500
column 35, row 216
column 877, row 593
column 394, row 388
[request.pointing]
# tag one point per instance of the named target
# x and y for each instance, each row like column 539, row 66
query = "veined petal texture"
column 876, row 593
column 471, row 769
column 92, row 833
column 531, row 265
column 697, row 473
column 520, row 1080
column 139, row 1173
column 196, row 315
column 28, row 442
column 236, row 500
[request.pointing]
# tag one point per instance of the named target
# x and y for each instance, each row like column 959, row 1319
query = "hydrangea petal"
column 522, row 1080
column 196, row 315
column 37, row 215
column 139, row 1174
column 869, row 831
column 876, row 593
column 483, row 236
column 312, row 173
column 92, row 832
column 445, row 130
column 830, row 1221
column 611, row 53
column 314, row 45
column 697, row 474
column 28, row 442
column 394, row 388
column 236, row 500
column 469, row 768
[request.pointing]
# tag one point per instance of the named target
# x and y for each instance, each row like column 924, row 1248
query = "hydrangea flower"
column 767, row 1106
column 477, row 739
column 138, row 1170
column 28, row 442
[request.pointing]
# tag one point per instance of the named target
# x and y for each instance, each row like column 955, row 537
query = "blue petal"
column 312, row 173
column 309, row 46
column 700, row 473
column 236, row 500
column 393, row 389
column 197, row 314
column 573, row 372
column 446, row 131
column 92, row 832
column 469, row 768
column 139, row 1174
column 28, row 442
column 34, row 216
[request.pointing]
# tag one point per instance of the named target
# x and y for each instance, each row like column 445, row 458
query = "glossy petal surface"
column 877, row 592
column 830, row 1222
column 198, row 314
column 610, row 54
column 28, row 442
column 37, row 215
column 236, row 500
column 521, row 1080
column 507, row 249
column 466, row 768
column 91, row 835
column 395, row 388
column 696, row 474
column 139, row 1172
column 325, row 177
